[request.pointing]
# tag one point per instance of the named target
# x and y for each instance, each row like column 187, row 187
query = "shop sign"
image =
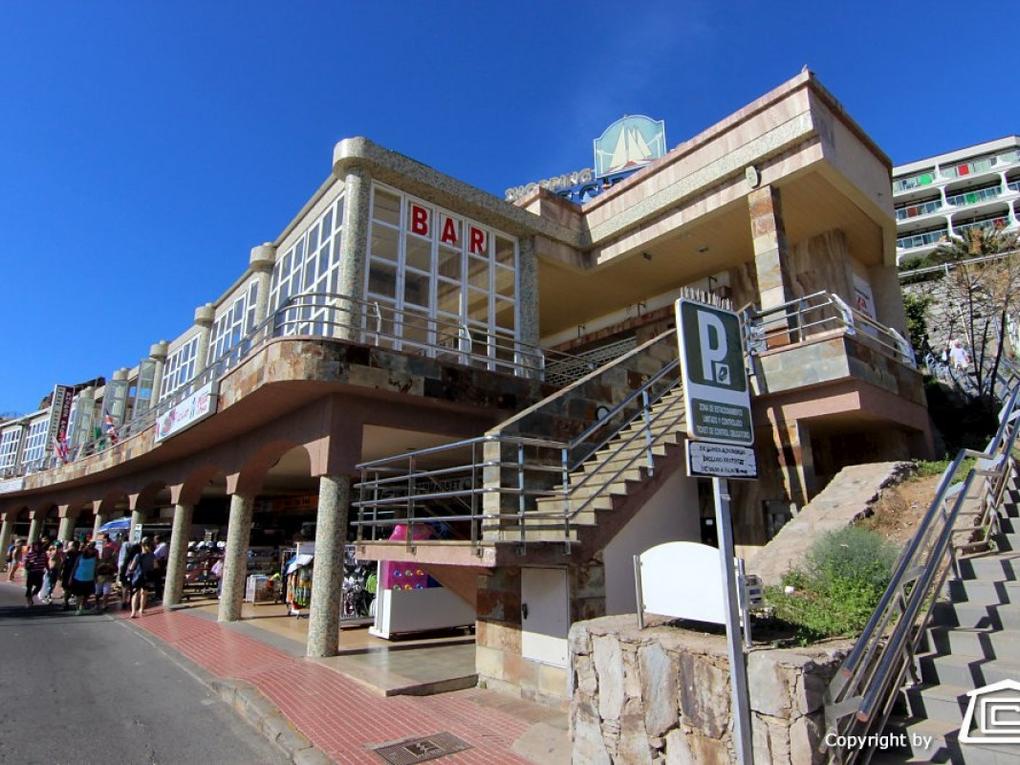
column 12, row 484
column 710, row 460
column 422, row 220
column 190, row 411
column 630, row 142
column 560, row 182
column 716, row 392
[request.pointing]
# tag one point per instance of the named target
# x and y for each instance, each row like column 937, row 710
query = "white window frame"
column 180, row 367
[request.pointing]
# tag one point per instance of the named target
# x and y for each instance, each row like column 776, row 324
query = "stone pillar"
column 770, row 250
column 885, row 288
column 354, row 246
column 235, row 560
column 793, row 444
column 527, row 299
column 66, row 530
column 261, row 262
column 204, row 317
column 328, row 572
column 158, row 353
column 34, row 528
column 137, row 516
column 6, row 532
column 100, row 520
column 177, row 560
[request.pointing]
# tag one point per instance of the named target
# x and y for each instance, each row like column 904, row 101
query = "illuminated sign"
column 630, row 142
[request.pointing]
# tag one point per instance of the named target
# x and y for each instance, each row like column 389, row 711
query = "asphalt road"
column 89, row 689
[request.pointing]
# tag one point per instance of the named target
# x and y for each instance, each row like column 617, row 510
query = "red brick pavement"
column 339, row 716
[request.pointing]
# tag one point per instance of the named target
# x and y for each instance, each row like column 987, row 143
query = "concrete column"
column 100, row 520
column 158, row 353
column 235, row 561
column 6, row 532
column 354, row 246
column 204, row 317
column 796, row 463
column 137, row 516
column 66, row 530
column 527, row 299
column 177, row 560
column 34, row 528
column 770, row 250
column 328, row 572
column 261, row 262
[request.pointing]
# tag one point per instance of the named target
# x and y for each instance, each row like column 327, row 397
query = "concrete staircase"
column 605, row 480
column 973, row 640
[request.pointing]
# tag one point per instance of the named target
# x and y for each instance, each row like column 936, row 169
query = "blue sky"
column 145, row 147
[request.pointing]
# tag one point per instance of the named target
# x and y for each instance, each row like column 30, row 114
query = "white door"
column 545, row 615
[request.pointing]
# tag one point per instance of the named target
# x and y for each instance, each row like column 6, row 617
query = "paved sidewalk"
column 338, row 715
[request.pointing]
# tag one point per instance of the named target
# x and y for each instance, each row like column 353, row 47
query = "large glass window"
column 310, row 265
column 234, row 320
column 10, row 439
column 35, row 442
column 179, row 368
column 441, row 281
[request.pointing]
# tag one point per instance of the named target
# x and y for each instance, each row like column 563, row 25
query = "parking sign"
column 716, row 392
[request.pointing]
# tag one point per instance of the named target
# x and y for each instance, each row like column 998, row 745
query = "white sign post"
column 719, row 434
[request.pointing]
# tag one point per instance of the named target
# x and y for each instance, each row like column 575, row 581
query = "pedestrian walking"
column 106, row 572
column 16, row 557
column 54, row 568
column 66, row 576
column 83, row 582
column 141, row 574
column 958, row 356
column 35, row 562
column 128, row 550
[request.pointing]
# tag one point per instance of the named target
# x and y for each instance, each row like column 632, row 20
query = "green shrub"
column 838, row 586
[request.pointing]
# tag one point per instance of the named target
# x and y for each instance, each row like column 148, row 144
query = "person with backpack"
column 142, row 576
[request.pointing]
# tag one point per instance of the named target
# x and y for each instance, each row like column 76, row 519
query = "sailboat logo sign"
column 630, row 142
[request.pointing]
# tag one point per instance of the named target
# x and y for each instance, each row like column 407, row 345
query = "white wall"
column 671, row 515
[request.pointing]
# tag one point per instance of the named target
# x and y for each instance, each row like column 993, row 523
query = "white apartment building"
column 951, row 193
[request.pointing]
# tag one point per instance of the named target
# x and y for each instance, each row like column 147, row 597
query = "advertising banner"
column 192, row 410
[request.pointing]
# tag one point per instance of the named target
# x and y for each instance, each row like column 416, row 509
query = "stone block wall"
column 662, row 695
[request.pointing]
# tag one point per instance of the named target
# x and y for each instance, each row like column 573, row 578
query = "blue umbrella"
column 118, row 524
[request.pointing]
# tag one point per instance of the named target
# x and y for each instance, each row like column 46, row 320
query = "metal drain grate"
column 415, row 750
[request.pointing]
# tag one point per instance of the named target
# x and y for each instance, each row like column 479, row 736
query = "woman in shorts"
column 83, row 581
column 142, row 576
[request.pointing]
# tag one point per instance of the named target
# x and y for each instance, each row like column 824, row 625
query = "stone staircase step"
column 988, row 593
column 946, row 747
column 966, row 671
column 996, row 567
column 1007, row 541
column 945, row 703
column 977, row 642
column 965, row 614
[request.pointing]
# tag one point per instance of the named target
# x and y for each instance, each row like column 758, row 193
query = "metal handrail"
column 861, row 694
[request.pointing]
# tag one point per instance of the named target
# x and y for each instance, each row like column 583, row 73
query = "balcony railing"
column 973, row 197
column 1013, row 186
column 926, row 178
column 916, row 211
column 959, row 170
column 984, row 225
column 922, row 240
column 819, row 314
column 344, row 318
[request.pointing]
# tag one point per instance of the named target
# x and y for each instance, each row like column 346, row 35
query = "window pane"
column 382, row 279
column 416, row 327
column 449, row 263
column 478, row 306
column 504, row 310
column 327, row 223
column 478, row 273
column 448, row 296
column 416, row 288
column 505, row 279
column 386, row 207
column 505, row 252
column 418, row 253
column 384, row 243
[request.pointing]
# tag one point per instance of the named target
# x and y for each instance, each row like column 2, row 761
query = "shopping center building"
column 486, row 389
column 977, row 187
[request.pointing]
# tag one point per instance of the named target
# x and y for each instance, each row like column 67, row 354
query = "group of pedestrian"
column 87, row 571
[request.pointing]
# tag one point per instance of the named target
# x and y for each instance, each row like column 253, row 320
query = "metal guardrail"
column 341, row 317
column 861, row 696
column 519, row 470
column 816, row 314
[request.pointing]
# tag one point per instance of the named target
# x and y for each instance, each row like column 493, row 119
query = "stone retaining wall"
column 662, row 695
